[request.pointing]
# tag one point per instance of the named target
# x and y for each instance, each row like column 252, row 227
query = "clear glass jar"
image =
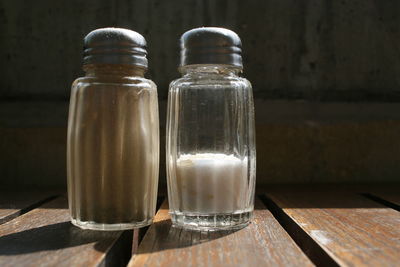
column 211, row 156
column 113, row 148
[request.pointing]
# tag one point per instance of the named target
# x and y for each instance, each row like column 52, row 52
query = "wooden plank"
column 352, row 229
column 262, row 243
column 45, row 237
column 15, row 203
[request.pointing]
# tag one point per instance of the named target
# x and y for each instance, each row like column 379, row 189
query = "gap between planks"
column 390, row 200
column 14, row 204
column 342, row 228
column 45, row 236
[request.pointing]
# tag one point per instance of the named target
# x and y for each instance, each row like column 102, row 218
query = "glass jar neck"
column 206, row 69
column 113, row 70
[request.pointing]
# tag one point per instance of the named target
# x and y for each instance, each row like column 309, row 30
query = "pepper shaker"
column 210, row 155
column 113, row 135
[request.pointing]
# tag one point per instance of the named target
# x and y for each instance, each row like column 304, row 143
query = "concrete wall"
column 325, row 78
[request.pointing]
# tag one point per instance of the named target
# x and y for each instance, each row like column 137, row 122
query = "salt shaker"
column 210, row 154
column 113, row 135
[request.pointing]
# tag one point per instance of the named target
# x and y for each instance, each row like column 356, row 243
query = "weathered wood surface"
column 45, row 237
column 331, row 227
column 263, row 243
column 353, row 230
column 13, row 204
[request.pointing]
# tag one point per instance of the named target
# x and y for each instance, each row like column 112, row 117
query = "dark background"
column 325, row 76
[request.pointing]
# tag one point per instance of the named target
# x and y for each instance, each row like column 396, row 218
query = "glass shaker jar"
column 113, row 135
column 211, row 156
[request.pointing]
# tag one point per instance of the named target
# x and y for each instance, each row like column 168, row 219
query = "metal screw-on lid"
column 115, row 46
column 210, row 45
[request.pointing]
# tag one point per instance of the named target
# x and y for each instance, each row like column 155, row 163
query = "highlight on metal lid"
column 211, row 45
column 115, row 46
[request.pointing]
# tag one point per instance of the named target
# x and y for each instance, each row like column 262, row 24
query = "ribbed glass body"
column 211, row 156
column 113, row 148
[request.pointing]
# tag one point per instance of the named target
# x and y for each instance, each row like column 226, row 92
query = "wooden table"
column 292, row 226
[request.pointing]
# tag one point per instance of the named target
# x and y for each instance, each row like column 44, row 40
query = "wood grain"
column 45, row 237
column 262, row 243
column 15, row 203
column 353, row 230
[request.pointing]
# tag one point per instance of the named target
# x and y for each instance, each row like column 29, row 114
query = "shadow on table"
column 170, row 237
column 332, row 196
column 52, row 237
column 65, row 235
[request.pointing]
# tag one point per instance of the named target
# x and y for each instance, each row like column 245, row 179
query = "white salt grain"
column 212, row 183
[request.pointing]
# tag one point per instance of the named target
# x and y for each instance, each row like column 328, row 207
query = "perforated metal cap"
column 211, row 45
column 115, row 46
